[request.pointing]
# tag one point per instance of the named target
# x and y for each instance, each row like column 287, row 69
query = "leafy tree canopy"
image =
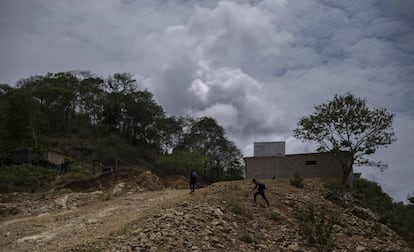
column 347, row 124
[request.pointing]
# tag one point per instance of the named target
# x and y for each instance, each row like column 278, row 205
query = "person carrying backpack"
column 193, row 180
column 260, row 188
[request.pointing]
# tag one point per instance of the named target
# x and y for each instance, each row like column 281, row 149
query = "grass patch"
column 77, row 173
column 377, row 228
column 296, row 180
column 233, row 187
column 335, row 192
column 235, row 198
column 105, row 196
column 316, row 227
column 7, row 211
column 247, row 237
column 236, row 207
column 274, row 216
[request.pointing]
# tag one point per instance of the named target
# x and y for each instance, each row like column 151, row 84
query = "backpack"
column 194, row 174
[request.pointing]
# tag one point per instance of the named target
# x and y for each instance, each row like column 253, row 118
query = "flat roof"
column 299, row 154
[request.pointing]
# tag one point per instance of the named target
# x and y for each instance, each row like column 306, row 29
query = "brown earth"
column 128, row 216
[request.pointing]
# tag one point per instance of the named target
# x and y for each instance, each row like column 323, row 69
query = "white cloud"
column 258, row 66
column 226, row 114
column 199, row 89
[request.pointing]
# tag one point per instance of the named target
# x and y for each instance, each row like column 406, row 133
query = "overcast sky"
column 256, row 66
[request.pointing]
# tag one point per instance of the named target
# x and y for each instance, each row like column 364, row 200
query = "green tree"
column 121, row 82
column 206, row 137
column 88, row 95
column 180, row 162
column 170, row 130
column 19, row 119
column 4, row 88
column 111, row 112
column 141, row 117
column 56, row 94
column 347, row 124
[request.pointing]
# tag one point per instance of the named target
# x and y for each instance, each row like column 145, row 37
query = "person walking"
column 193, row 181
column 259, row 189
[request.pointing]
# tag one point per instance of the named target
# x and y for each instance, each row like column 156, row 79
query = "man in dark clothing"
column 193, row 180
column 260, row 188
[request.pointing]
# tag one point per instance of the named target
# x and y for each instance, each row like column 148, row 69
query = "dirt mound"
column 130, row 176
column 146, row 180
column 175, row 182
column 74, row 194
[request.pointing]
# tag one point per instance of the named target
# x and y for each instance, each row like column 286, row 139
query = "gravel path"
column 64, row 228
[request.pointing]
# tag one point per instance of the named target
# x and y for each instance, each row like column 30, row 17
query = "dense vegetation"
column 24, row 178
column 397, row 216
column 110, row 120
column 368, row 194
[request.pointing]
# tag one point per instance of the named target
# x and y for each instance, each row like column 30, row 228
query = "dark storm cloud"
column 257, row 66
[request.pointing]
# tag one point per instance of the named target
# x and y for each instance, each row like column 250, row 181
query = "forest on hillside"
column 110, row 119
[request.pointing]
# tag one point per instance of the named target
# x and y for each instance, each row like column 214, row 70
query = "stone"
column 360, row 248
column 262, row 246
column 118, row 189
column 218, row 212
column 363, row 213
column 293, row 247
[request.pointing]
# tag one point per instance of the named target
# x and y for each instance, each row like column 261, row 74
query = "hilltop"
column 145, row 213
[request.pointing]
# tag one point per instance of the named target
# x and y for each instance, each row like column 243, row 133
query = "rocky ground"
column 130, row 217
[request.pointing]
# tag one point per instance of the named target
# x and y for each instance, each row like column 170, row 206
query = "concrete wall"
column 56, row 158
column 269, row 149
column 313, row 165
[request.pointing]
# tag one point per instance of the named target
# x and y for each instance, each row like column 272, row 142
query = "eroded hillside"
column 217, row 218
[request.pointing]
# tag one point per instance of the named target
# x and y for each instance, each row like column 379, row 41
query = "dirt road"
column 64, row 228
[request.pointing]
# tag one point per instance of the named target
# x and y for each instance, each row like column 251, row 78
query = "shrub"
column 316, row 227
column 335, row 192
column 234, row 187
column 235, row 207
column 296, row 180
column 247, row 237
column 274, row 216
column 6, row 211
column 78, row 172
column 377, row 228
column 24, row 178
column 370, row 195
column 105, row 196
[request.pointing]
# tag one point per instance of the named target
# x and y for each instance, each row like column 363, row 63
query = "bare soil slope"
column 217, row 218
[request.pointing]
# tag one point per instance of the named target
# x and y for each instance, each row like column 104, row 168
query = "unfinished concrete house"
column 270, row 161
